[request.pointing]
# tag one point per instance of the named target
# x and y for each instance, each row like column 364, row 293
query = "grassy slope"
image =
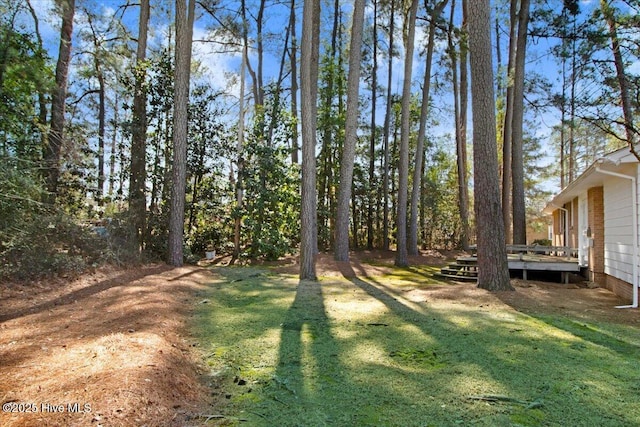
column 356, row 353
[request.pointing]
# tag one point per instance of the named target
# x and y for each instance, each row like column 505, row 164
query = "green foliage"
column 51, row 243
column 441, row 219
column 331, row 117
column 542, row 242
column 271, row 213
column 210, row 223
column 25, row 74
column 21, row 191
column 208, row 213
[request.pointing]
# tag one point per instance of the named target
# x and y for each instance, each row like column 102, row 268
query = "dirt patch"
column 108, row 349
column 580, row 300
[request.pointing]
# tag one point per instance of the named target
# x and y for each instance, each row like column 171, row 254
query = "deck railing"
column 559, row 251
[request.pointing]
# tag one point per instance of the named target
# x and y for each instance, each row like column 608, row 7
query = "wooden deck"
column 520, row 258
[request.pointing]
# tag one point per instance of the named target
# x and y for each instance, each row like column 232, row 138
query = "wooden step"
column 457, row 277
column 464, row 269
column 459, row 272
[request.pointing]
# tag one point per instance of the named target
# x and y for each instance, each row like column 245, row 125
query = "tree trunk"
column 402, row 259
column 58, row 101
column 517, row 163
column 184, row 35
column 137, row 180
column 101, row 132
column 386, row 135
column 259, row 101
column 372, row 142
column 508, row 122
column 461, row 138
column 351, row 136
column 326, row 196
column 419, row 157
column 493, row 271
column 99, row 75
column 308, row 95
column 112, row 154
column 627, row 110
column 240, row 146
column 294, row 83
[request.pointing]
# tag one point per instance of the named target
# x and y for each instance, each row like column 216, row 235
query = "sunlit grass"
column 359, row 353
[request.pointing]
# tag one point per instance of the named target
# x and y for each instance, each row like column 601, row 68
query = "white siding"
column 618, row 235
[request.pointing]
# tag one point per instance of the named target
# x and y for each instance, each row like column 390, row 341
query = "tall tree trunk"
column 424, row 110
column 351, row 136
column 563, row 111
column 517, row 164
column 112, row 154
column 259, row 101
column 372, row 142
column 493, row 271
column 185, row 10
column 308, row 96
column 402, row 259
column 572, row 106
column 256, row 87
column 326, row 196
column 508, row 122
column 461, row 137
column 99, row 74
column 101, row 135
column 293, row 58
column 137, row 180
column 627, row 111
column 58, row 100
column 240, row 147
column 386, row 135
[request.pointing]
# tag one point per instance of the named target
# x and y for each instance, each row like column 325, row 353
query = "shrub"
column 51, row 244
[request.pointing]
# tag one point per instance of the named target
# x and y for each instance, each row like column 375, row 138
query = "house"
column 598, row 214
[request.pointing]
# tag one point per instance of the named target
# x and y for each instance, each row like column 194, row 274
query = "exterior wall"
column 619, row 287
column 618, row 238
column 619, row 235
column 533, row 234
column 595, row 201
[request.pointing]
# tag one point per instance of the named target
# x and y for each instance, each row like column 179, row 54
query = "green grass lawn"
column 358, row 352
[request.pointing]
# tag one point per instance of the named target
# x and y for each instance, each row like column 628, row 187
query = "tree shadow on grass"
column 521, row 365
column 395, row 361
column 308, row 358
column 590, row 333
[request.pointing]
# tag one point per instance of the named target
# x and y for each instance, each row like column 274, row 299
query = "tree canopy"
column 95, row 116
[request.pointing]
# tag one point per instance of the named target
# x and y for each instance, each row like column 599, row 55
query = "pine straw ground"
column 113, row 342
column 117, row 343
